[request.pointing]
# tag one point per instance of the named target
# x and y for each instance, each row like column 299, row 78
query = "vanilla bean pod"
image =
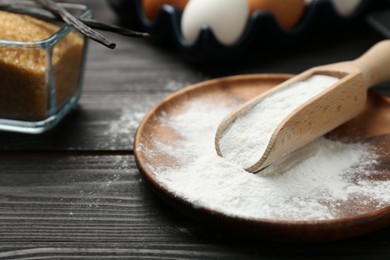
column 113, row 28
column 68, row 18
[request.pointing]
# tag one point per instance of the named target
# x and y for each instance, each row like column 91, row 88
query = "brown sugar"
column 25, row 72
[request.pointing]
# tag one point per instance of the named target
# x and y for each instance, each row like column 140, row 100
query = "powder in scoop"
column 246, row 139
column 313, row 183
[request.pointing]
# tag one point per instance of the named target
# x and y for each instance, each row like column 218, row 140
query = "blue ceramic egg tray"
column 262, row 30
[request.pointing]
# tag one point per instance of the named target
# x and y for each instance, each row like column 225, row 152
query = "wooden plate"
column 372, row 125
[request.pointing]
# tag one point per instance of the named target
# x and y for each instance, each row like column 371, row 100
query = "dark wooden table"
column 76, row 192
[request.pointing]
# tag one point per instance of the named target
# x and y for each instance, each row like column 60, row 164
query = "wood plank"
column 117, row 93
column 99, row 206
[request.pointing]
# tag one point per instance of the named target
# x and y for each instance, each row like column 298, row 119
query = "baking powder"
column 313, row 183
column 246, row 139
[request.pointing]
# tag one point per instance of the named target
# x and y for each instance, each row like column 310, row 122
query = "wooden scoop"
column 326, row 111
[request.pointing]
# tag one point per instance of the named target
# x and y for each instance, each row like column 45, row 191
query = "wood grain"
column 98, row 206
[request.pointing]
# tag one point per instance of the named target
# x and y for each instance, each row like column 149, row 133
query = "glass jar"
column 40, row 80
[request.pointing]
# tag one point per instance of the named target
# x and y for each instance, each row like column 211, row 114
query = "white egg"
column 346, row 7
column 226, row 18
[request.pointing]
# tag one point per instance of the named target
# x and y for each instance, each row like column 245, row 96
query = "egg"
column 151, row 8
column 226, row 18
column 346, row 7
column 286, row 12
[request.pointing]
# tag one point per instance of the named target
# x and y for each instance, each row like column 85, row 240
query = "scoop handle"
column 375, row 64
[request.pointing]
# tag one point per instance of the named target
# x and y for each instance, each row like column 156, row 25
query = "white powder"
column 245, row 141
column 314, row 183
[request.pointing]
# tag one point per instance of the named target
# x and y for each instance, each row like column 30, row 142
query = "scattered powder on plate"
column 313, row 183
column 245, row 140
